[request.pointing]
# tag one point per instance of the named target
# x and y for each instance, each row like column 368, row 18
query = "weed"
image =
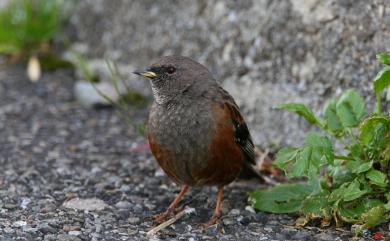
column 347, row 187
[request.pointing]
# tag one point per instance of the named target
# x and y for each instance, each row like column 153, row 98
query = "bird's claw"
column 214, row 220
column 159, row 218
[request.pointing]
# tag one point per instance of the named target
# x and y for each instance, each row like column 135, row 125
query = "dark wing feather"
column 242, row 135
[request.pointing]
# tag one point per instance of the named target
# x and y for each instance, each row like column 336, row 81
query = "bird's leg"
column 217, row 213
column 160, row 217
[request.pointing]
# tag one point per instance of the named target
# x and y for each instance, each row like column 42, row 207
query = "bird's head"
column 171, row 76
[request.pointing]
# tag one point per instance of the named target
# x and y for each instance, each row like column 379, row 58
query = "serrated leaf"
column 285, row 156
column 384, row 58
column 382, row 80
column 377, row 177
column 350, row 108
column 303, row 111
column 332, row 120
column 285, row 198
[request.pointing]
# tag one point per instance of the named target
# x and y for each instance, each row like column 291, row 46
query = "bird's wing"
column 242, row 136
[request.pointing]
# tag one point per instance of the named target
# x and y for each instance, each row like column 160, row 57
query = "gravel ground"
column 54, row 151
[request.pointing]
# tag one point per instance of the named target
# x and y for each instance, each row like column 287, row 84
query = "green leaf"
column 356, row 151
column 372, row 217
column 359, row 167
column 367, row 129
column 376, row 177
column 26, row 24
column 303, row 111
column 388, row 94
column 352, row 212
column 382, row 80
column 285, row 198
column 384, row 58
column 348, row 191
column 353, row 191
column 322, row 148
column 285, row 156
column 350, row 108
column 340, row 174
column 302, row 165
column 8, row 48
column 332, row 120
column 387, row 206
column 349, row 214
column 314, row 205
column 306, row 161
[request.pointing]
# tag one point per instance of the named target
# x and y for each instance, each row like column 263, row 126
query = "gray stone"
column 263, row 52
column 74, row 233
column 66, row 237
column 124, row 205
column 85, row 204
column 19, row 224
column 46, row 228
column 133, row 220
column 234, row 212
column 89, row 95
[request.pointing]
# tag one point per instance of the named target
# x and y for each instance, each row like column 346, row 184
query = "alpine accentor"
column 195, row 130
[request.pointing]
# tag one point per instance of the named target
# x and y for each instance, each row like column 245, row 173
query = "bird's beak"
column 146, row 73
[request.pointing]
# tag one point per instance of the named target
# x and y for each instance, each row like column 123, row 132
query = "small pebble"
column 68, row 228
column 19, row 224
column 133, row 220
column 124, row 205
column 45, row 228
column 74, row 233
column 250, row 209
column 234, row 212
column 9, row 206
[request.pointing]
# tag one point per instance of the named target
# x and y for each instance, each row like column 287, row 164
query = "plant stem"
column 379, row 104
column 341, row 157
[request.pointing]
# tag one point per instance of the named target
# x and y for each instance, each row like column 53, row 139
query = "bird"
column 195, row 129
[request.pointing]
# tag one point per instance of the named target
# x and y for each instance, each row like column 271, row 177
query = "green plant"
column 350, row 186
column 126, row 96
column 26, row 25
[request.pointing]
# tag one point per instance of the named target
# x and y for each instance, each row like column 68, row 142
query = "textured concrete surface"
column 263, row 52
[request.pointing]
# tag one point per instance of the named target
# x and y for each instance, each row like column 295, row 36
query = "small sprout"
column 127, row 96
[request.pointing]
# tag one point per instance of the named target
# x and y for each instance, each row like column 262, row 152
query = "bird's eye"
column 171, row 70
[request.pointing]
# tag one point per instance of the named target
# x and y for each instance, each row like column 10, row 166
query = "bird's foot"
column 214, row 219
column 159, row 218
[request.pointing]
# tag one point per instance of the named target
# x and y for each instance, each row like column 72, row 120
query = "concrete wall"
column 263, row 52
